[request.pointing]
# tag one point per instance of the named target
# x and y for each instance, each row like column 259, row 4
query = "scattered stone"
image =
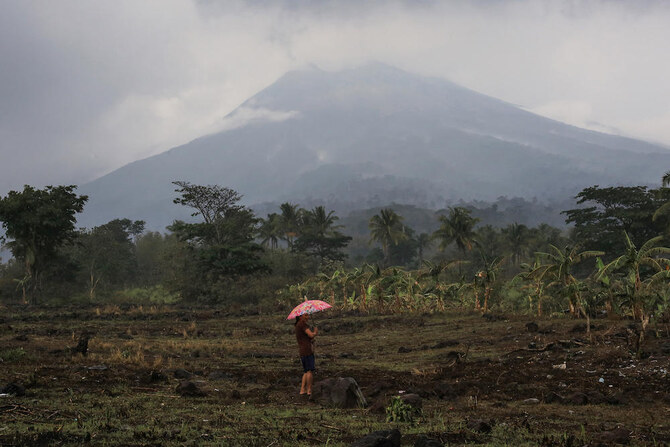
column 342, row 392
column 403, row 350
column 235, row 394
column 13, row 389
column 97, row 368
column 425, row 441
column 617, row 436
column 531, row 401
column 381, row 438
column 532, row 345
column 479, row 425
column 347, row 355
column 190, row 389
column 182, row 374
column 532, row 327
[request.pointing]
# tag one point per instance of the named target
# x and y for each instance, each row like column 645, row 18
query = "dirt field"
column 483, row 381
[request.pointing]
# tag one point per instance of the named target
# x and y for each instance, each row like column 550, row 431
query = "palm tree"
column 558, row 267
column 290, row 217
column 423, row 241
column 270, row 231
column 516, row 237
column 386, row 228
column 458, row 227
column 641, row 294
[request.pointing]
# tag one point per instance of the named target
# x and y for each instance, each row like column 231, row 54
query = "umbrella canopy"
column 308, row 307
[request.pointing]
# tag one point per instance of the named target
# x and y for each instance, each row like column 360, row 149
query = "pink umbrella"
column 308, row 307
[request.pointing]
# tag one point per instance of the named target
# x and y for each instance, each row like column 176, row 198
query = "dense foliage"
column 613, row 260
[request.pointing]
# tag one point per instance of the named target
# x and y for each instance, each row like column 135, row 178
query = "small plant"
column 12, row 355
column 400, row 411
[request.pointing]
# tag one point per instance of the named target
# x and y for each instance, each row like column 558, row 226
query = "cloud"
column 89, row 86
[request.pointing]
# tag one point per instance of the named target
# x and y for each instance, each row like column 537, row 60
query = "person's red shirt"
column 304, row 340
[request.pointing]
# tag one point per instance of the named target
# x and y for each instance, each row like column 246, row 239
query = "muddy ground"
column 483, row 381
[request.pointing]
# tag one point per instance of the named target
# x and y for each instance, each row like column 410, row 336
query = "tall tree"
column 387, row 229
column 221, row 246
column 516, row 238
column 289, row 222
column 270, row 231
column 38, row 222
column 319, row 235
column 458, row 227
column 107, row 253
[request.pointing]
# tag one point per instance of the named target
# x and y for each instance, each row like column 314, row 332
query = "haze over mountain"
column 371, row 136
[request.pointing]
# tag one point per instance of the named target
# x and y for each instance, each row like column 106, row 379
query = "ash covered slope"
column 370, row 136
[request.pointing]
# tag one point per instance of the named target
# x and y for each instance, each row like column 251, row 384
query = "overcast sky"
column 86, row 87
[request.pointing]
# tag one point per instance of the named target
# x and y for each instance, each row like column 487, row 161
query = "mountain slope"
column 372, row 135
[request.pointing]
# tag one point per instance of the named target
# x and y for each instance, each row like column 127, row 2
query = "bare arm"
column 310, row 333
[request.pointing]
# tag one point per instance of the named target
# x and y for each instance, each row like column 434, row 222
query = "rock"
column 531, row 401
column 157, row 376
column 413, row 400
column 552, row 397
column 596, row 398
column 347, row 355
column 235, row 394
column 532, row 327
column 379, row 406
column 617, row 436
column 14, row 389
column 342, row 392
column 579, row 327
column 190, row 389
column 377, row 388
column 403, row 350
column 444, row 390
column 381, row 438
column 479, row 425
column 577, row 399
column 21, row 337
column 182, row 374
column 425, row 441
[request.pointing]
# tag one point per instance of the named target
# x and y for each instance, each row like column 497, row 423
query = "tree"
column 423, row 241
column 107, row 253
column 319, row 235
column 639, row 291
column 221, row 246
column 458, row 227
column 270, row 231
column 38, row 223
column 387, row 229
column 289, row 222
column 558, row 268
column 616, row 209
column 516, row 237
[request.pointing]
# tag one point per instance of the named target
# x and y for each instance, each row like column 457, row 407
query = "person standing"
column 305, row 337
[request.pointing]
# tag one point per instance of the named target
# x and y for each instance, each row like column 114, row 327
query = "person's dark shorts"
column 307, row 362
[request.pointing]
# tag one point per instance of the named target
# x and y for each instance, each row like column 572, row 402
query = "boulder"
column 14, row 389
column 479, row 425
column 341, row 392
column 381, row 438
column 617, row 436
column 532, row 327
column 182, row 374
column 552, row 397
column 187, row 388
column 413, row 400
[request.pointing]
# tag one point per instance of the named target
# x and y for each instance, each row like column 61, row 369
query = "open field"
column 478, row 378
